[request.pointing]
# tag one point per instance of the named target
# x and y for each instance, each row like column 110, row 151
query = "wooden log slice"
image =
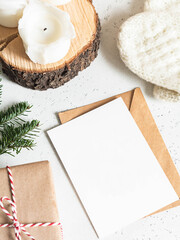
column 83, row 50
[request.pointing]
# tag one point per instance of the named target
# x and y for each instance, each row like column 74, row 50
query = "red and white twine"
column 19, row 227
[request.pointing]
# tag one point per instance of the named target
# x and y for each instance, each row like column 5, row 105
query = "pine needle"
column 15, row 133
column 17, row 138
column 0, row 91
column 13, row 113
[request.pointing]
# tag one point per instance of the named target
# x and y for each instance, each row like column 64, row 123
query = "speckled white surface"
column 106, row 76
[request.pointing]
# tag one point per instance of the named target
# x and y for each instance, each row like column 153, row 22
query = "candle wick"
column 45, row 29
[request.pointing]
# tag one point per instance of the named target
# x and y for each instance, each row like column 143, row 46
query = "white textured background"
column 106, row 76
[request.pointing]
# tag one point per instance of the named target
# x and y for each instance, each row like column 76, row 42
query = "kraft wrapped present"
column 35, row 203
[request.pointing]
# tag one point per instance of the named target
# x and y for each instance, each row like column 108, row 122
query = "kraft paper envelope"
column 138, row 108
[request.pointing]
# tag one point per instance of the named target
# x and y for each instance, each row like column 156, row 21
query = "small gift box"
column 28, row 207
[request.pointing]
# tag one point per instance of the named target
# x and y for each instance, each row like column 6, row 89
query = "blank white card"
column 112, row 168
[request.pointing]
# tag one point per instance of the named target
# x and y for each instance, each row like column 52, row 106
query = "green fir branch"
column 15, row 133
column 17, row 138
column 13, row 113
column 0, row 91
column 18, row 146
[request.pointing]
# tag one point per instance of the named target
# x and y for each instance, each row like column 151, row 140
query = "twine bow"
column 19, row 227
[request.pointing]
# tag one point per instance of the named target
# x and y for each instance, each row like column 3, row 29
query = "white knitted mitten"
column 160, row 92
column 165, row 94
column 151, row 48
column 154, row 5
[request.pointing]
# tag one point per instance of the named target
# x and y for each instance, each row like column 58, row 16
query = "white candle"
column 46, row 32
column 11, row 11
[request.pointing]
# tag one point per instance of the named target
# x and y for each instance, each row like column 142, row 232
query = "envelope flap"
column 76, row 112
column 143, row 117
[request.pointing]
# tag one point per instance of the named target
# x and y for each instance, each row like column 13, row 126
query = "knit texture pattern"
column 165, row 94
column 159, row 92
column 154, row 5
column 151, row 48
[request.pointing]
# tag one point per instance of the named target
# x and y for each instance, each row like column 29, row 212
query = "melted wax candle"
column 46, row 32
column 11, row 11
